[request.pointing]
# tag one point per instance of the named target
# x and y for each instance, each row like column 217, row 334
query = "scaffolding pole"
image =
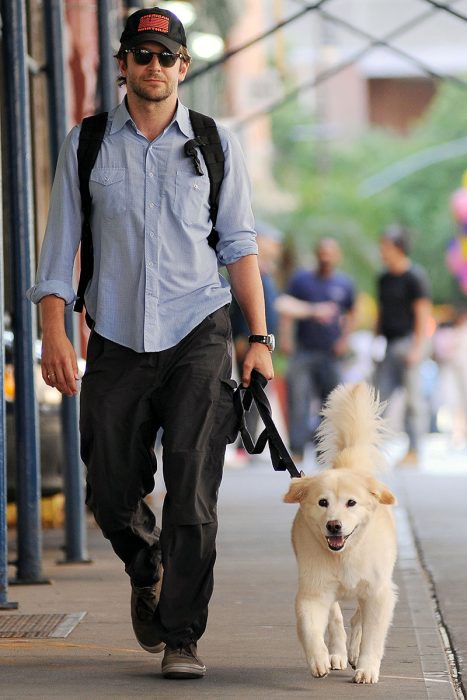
column 75, row 521
column 4, row 604
column 20, row 226
column 107, row 72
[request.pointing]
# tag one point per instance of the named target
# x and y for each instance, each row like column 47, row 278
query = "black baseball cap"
column 153, row 24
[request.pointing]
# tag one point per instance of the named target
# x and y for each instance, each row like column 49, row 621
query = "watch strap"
column 258, row 339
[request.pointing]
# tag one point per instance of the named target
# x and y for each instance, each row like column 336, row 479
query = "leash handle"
column 243, row 399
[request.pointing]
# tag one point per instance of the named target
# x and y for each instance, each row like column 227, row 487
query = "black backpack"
column 90, row 140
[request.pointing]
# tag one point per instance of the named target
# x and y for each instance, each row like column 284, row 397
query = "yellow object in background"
column 9, row 383
column 52, row 512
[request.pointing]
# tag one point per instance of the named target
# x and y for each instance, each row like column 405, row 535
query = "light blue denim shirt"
column 155, row 275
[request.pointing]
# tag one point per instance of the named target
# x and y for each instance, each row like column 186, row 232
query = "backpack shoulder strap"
column 205, row 130
column 90, row 140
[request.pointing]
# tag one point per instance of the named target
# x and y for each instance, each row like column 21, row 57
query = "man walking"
column 159, row 354
column 404, row 309
column 325, row 317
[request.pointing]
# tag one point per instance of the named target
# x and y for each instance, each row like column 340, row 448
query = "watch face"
column 267, row 340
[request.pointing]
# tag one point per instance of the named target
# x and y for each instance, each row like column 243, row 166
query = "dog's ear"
column 382, row 493
column 297, row 491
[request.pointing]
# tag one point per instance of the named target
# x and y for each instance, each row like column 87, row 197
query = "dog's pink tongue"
column 337, row 541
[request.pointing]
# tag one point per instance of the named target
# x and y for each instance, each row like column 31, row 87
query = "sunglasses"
column 143, row 57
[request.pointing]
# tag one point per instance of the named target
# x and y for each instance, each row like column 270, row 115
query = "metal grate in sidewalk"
column 38, row 626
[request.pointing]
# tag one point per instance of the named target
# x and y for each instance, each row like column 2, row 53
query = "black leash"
column 243, row 399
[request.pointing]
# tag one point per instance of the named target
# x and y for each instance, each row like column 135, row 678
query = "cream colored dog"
column 344, row 539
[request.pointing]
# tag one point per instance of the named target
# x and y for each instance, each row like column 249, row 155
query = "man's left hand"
column 257, row 357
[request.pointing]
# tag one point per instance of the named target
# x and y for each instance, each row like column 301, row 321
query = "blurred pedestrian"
column 450, row 352
column 404, row 306
column 269, row 240
column 159, row 354
column 316, row 318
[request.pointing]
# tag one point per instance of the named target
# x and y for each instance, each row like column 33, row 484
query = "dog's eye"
column 351, row 503
column 323, row 503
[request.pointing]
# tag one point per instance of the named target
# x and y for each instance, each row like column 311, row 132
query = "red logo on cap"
column 154, row 23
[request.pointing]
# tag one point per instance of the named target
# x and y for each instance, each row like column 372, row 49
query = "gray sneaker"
column 182, row 663
column 144, row 602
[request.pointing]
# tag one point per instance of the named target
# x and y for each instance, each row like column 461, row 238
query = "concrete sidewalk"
column 250, row 647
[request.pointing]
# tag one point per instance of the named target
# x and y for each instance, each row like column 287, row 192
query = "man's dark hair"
column 400, row 236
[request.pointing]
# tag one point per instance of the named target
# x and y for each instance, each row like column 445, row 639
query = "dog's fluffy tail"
column 353, row 430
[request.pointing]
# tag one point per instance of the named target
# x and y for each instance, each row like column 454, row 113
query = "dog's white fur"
column 361, row 564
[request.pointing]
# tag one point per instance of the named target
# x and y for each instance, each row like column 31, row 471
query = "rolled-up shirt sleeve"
column 235, row 221
column 63, row 231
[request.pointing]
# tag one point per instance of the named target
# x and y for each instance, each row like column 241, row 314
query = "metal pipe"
column 20, row 226
column 4, row 604
column 75, row 524
column 107, row 68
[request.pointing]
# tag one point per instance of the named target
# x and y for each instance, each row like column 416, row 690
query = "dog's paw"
column 338, row 662
column 366, row 675
column 320, row 665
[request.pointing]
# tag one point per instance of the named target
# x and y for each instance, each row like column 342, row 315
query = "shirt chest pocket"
column 191, row 200
column 108, row 191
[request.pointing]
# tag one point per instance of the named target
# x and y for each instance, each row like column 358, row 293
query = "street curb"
column 436, row 654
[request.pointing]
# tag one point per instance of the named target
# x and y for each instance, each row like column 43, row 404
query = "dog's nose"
column 334, row 526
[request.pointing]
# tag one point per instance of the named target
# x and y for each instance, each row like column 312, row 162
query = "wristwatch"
column 268, row 340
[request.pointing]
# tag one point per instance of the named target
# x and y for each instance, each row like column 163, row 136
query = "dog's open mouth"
column 337, row 542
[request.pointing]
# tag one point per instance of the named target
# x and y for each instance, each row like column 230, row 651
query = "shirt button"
column 151, row 205
column 151, row 174
column 149, row 264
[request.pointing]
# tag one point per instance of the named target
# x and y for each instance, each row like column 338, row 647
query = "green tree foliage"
column 326, row 176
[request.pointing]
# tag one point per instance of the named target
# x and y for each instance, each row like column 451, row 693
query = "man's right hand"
column 298, row 309
column 324, row 311
column 59, row 363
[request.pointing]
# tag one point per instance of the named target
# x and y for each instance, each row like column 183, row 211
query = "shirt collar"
column 183, row 120
column 121, row 116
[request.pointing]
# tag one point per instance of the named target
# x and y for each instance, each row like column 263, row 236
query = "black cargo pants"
column 126, row 398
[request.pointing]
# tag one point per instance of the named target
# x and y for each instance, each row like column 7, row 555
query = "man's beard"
column 146, row 93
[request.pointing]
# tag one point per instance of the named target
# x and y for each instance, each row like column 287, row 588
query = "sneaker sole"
column 153, row 650
column 181, row 672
